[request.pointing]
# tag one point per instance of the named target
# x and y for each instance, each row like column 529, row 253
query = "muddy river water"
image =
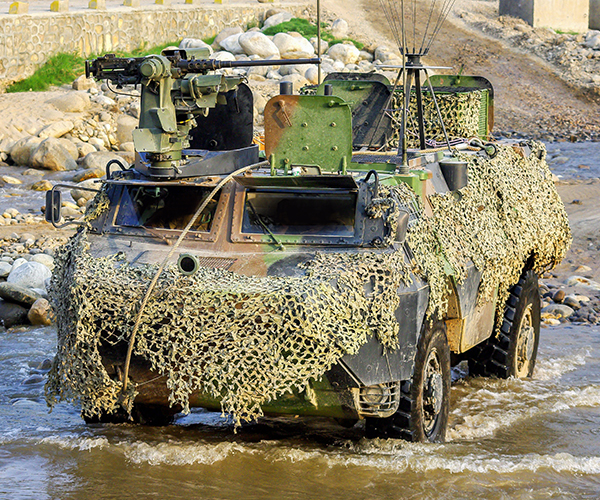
column 529, row 439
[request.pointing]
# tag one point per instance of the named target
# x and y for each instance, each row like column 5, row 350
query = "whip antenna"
column 412, row 47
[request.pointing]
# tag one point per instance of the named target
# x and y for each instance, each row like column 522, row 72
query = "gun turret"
column 176, row 86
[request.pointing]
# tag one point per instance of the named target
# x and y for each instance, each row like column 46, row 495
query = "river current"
column 525, row 439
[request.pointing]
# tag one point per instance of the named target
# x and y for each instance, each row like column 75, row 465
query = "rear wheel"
column 512, row 353
column 425, row 400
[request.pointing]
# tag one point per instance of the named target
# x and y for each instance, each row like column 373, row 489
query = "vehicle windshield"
column 330, row 214
column 163, row 207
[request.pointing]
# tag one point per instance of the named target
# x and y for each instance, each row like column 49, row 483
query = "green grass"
column 59, row 69
column 64, row 68
column 308, row 30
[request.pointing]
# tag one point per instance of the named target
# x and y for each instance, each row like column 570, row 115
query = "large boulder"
column 30, row 275
column 12, row 314
column 232, row 44
column 56, row 129
column 83, row 83
column 226, row 33
column 344, row 52
column 23, row 150
column 52, row 155
column 98, row 160
column 339, row 28
column 71, row 102
column 18, row 294
column 254, row 42
column 195, row 43
column 276, row 19
column 125, row 126
column 223, row 55
column 292, row 47
column 70, row 146
column 44, row 258
column 5, row 269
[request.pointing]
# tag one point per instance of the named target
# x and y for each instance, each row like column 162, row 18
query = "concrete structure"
column 27, row 41
column 595, row 14
column 563, row 15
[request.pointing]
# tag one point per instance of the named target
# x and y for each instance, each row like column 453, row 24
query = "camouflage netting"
column 508, row 213
column 243, row 340
column 248, row 340
column 460, row 112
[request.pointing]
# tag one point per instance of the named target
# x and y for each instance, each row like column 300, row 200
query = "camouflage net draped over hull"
column 509, row 211
column 244, row 340
column 248, row 340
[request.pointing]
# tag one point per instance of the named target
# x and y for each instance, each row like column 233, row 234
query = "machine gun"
column 177, row 85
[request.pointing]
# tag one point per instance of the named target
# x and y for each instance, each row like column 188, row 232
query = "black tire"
column 425, row 400
column 512, row 353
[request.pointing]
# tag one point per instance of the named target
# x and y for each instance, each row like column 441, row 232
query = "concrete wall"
column 27, row 41
column 564, row 15
column 595, row 14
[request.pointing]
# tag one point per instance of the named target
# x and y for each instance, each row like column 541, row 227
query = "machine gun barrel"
column 126, row 70
column 201, row 65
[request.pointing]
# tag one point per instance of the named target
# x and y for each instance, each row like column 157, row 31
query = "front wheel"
column 425, row 400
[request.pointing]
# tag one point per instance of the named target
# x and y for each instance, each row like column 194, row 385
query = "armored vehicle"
column 330, row 274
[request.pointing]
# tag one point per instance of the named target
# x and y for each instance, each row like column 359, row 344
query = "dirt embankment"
column 532, row 97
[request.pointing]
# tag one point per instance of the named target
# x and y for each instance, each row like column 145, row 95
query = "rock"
column 254, row 42
column 33, row 379
column 83, row 83
column 99, row 159
column 339, row 28
column 10, row 180
column 42, row 185
column 29, row 275
column 558, row 310
column 70, row 147
column 298, row 69
column 274, row 20
column 291, row 47
column 19, row 262
column 232, row 44
column 83, row 148
column 312, row 75
column 81, row 194
column 46, row 260
column 384, row 54
column 17, row 294
column 558, row 296
column 347, row 53
column 128, row 147
column 324, row 44
column 23, row 149
column 582, row 281
column 125, row 126
column 5, row 269
column 40, row 313
column 593, row 42
column 298, row 81
column 52, row 155
column 223, row 56
column 572, row 302
column 12, row 314
column 71, row 102
column 363, row 55
column 226, row 33
column 583, row 269
column 194, row 43
column 56, row 129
